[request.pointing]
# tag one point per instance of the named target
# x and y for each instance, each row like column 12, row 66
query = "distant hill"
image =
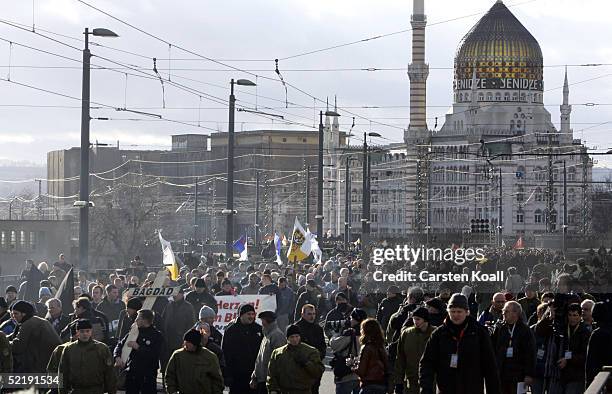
column 10, row 171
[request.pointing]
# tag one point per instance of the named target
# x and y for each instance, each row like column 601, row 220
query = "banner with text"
column 228, row 307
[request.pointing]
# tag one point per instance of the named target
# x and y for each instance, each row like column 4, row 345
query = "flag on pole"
column 300, row 247
column 314, row 246
column 65, row 291
column 519, row 244
column 277, row 248
column 241, row 246
column 169, row 260
column 503, row 243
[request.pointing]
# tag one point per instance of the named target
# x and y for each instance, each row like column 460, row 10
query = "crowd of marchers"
column 540, row 329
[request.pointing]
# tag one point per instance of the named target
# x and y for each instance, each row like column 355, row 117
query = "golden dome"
column 501, row 47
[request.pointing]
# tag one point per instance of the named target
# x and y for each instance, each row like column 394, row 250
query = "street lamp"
column 319, row 215
column 229, row 211
column 85, row 118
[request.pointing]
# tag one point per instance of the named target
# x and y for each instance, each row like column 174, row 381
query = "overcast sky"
column 569, row 32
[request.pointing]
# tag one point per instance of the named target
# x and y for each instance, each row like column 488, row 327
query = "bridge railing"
column 602, row 383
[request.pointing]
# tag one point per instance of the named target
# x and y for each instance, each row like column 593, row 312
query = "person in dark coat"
column 599, row 351
column 514, row 346
column 241, row 342
column 200, row 296
column 338, row 316
column 312, row 334
column 33, row 341
column 143, row 361
column 312, row 296
column 388, row 306
column 178, row 318
column 208, row 315
column 127, row 317
column 112, row 306
column 572, row 364
column 459, row 355
column 84, row 310
column 437, row 311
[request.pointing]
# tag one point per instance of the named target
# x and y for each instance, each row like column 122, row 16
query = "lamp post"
column 84, row 178
column 229, row 209
column 319, row 216
column 365, row 195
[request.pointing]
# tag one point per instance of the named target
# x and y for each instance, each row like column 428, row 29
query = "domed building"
column 497, row 125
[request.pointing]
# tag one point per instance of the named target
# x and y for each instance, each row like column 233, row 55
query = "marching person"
column 240, row 346
column 346, row 348
column 494, row 314
column 55, row 315
column 389, row 306
column 515, row 349
column 273, row 339
column 312, row 334
column 208, row 316
column 373, row 366
column 143, row 361
column 410, row 348
column 127, row 317
column 33, row 341
column 111, row 306
column 193, row 369
column 294, row 367
column 572, row 363
column 201, row 297
column 459, row 355
column 178, row 318
column 97, row 375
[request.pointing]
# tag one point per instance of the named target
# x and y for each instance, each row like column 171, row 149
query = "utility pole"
column 307, row 195
column 347, row 197
column 319, row 216
column 257, row 208
column 500, row 223
column 229, row 208
column 84, row 177
column 39, row 200
column 564, row 208
column 195, row 212
column 364, row 192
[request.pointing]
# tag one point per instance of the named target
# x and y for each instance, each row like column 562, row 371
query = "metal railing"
column 602, row 382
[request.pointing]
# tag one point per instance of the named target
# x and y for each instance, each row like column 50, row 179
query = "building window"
column 3, row 239
column 284, row 139
column 520, row 217
column 538, row 216
column 304, row 140
column 32, row 240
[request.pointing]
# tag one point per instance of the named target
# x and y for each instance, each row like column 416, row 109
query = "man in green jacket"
column 193, row 369
column 295, row 367
column 410, row 348
column 97, row 375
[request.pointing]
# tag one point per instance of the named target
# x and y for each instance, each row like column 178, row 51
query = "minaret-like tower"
column 565, row 108
column 418, row 70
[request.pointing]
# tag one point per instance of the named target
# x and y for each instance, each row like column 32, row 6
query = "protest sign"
column 228, row 307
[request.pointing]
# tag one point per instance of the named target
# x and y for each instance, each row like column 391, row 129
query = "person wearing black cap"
column 97, row 375
column 143, row 361
column 127, row 317
column 10, row 294
column 273, row 339
column 459, row 355
column 389, row 306
column 54, row 360
column 33, row 341
column 193, row 369
column 294, row 367
column 241, row 342
column 178, row 317
column 84, row 310
column 437, row 311
column 410, row 348
column 337, row 318
column 200, row 296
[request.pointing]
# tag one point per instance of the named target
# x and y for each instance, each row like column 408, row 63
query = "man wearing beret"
column 459, row 355
column 193, row 369
column 295, row 367
column 97, row 375
column 241, row 343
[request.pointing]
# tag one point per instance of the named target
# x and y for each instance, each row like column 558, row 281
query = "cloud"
column 16, row 139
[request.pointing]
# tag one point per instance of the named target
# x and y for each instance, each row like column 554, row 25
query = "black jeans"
column 140, row 384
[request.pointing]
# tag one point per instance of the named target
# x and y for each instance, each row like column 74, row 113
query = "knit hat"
column 193, row 336
column 245, row 308
column 23, row 307
column 341, row 295
column 200, row 283
column 359, row 314
column 44, row 291
column 458, row 301
column 421, row 312
column 206, row 312
column 293, row 330
column 134, row 303
column 11, row 288
column 436, row 303
column 83, row 324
